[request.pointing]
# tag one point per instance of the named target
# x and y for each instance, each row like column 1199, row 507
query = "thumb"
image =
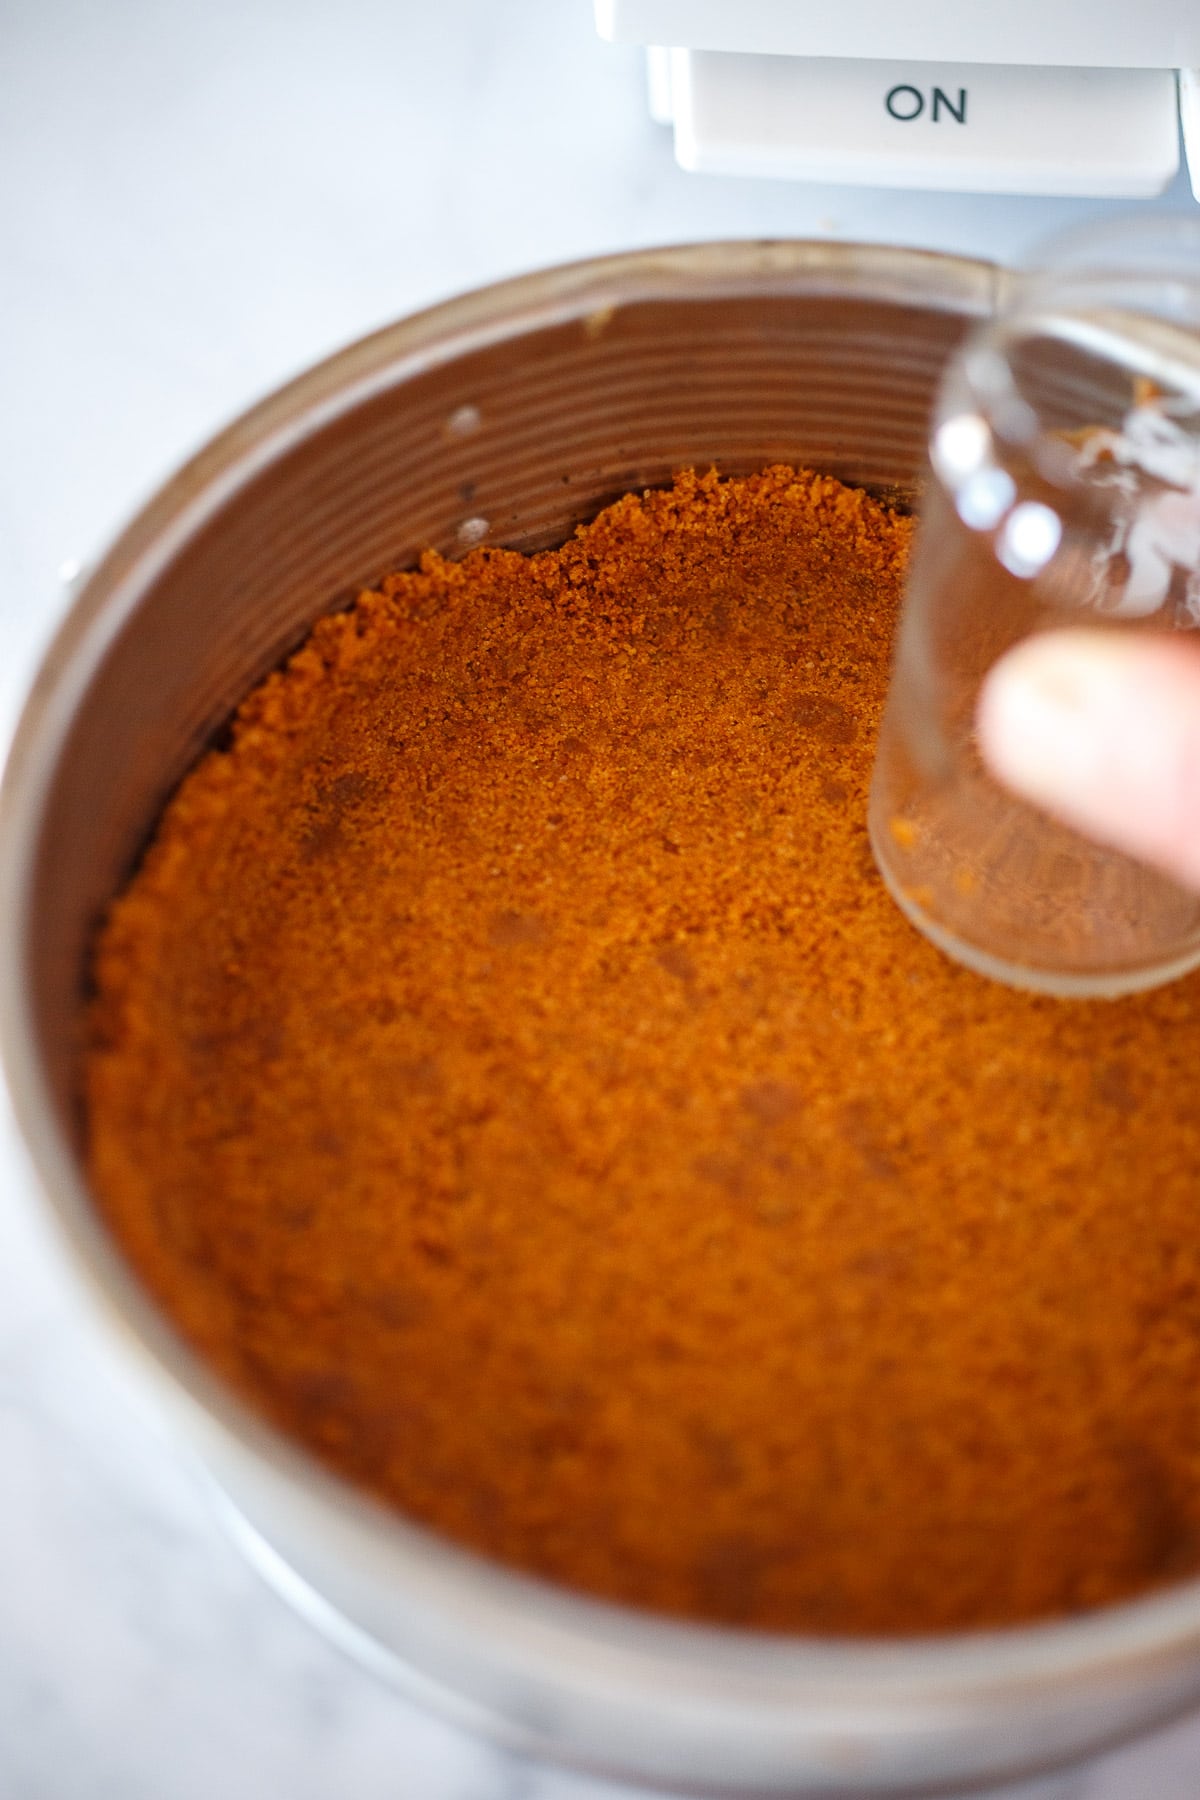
column 1102, row 730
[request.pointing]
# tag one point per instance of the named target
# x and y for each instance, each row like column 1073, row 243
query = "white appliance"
column 1079, row 98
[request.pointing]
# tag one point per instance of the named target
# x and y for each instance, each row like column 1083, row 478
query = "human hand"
column 1102, row 730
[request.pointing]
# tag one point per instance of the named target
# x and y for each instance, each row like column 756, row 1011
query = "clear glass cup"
column 1063, row 488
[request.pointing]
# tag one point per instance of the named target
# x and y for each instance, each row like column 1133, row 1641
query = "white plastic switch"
column 1116, row 34
column 658, row 84
column 985, row 128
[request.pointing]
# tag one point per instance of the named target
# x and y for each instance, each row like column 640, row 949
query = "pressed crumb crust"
column 508, row 1070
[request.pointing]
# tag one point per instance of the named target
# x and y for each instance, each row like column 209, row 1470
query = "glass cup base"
column 1099, row 984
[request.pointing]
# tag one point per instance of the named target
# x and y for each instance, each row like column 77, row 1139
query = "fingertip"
column 1102, row 730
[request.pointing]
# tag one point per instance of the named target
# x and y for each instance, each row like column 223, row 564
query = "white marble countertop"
column 195, row 202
